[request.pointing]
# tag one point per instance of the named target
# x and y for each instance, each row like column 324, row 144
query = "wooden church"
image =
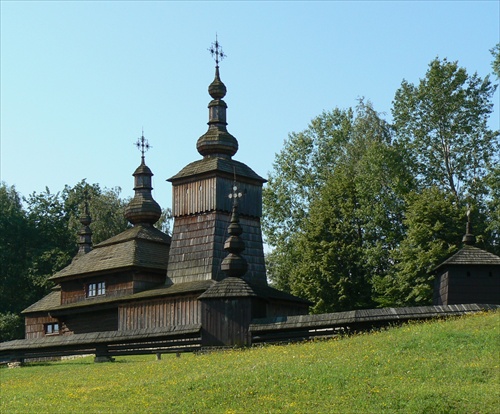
column 210, row 274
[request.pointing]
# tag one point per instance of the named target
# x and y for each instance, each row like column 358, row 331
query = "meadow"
column 440, row 366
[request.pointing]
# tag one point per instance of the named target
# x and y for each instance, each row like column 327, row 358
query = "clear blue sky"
column 79, row 80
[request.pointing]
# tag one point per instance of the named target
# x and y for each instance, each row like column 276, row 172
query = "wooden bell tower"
column 202, row 208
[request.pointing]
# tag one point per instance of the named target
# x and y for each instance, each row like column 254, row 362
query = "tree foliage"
column 443, row 122
column 495, row 65
column 343, row 237
column 39, row 237
column 358, row 211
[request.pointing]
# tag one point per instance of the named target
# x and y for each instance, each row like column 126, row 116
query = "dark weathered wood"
column 197, row 248
column 292, row 328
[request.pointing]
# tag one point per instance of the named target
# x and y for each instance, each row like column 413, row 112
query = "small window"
column 101, row 288
column 51, row 329
column 96, row 289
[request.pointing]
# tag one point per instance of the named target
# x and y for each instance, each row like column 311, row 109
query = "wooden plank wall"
column 101, row 321
column 211, row 194
column 473, row 284
column 35, row 325
column 184, row 310
column 225, row 322
column 116, row 285
column 197, row 248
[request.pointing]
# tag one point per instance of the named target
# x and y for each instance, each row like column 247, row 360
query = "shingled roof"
column 470, row 255
column 212, row 164
column 232, row 287
column 52, row 302
column 139, row 246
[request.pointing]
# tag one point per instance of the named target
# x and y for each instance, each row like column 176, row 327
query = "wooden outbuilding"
column 471, row 275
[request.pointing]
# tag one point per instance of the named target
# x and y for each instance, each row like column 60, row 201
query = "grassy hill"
column 449, row 366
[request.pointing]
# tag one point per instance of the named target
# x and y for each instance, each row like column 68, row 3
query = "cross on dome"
column 142, row 144
column 216, row 51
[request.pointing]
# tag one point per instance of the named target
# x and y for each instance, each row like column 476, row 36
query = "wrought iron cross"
column 235, row 194
column 216, row 51
column 142, row 144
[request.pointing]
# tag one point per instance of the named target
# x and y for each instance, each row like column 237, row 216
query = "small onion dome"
column 217, row 89
column 143, row 209
column 469, row 238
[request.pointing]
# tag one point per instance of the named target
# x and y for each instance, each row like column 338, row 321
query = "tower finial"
column 142, row 144
column 142, row 209
column 216, row 51
column 469, row 238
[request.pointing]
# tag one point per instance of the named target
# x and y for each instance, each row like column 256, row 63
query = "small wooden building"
column 471, row 275
column 143, row 279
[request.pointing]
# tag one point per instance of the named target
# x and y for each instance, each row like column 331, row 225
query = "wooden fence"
column 304, row 327
column 186, row 338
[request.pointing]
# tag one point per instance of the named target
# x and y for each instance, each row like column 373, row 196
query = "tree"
column 353, row 219
column 105, row 207
column 496, row 60
column 15, row 243
column 435, row 225
column 40, row 238
column 443, row 121
column 300, row 170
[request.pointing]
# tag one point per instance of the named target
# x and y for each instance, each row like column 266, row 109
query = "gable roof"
column 470, row 255
column 139, row 246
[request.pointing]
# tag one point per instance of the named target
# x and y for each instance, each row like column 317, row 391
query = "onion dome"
column 85, row 233
column 217, row 141
column 234, row 265
column 143, row 209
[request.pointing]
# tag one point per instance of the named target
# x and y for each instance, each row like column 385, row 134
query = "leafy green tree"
column 105, row 207
column 452, row 153
column 443, row 122
column 300, row 170
column 11, row 326
column 354, row 216
column 435, row 226
column 15, row 244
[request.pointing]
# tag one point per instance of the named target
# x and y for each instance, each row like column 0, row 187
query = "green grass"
column 449, row 366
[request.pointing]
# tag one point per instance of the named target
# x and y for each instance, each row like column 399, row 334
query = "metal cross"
column 142, row 144
column 235, row 194
column 216, row 51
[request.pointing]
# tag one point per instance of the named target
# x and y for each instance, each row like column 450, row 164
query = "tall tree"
column 353, row 220
column 300, row 170
column 453, row 153
column 15, row 242
column 434, row 227
column 443, row 122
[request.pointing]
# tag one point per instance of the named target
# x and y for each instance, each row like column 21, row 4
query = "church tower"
column 201, row 206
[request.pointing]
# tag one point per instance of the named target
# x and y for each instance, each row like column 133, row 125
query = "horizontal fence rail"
column 327, row 325
column 184, row 338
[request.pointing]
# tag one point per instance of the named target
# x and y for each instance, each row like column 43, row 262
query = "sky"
column 80, row 80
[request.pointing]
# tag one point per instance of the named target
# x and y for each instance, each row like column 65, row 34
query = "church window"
column 96, row 289
column 51, row 329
